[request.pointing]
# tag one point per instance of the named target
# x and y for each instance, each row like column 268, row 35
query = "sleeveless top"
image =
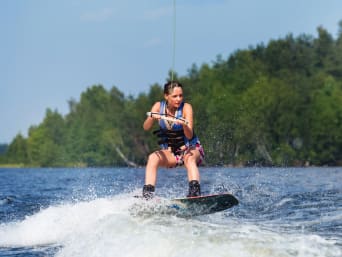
column 172, row 134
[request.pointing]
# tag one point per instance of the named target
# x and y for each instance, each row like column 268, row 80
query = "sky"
column 53, row 50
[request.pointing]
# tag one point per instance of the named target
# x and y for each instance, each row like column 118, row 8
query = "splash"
column 108, row 227
column 57, row 224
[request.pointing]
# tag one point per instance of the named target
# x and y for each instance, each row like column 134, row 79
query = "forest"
column 274, row 104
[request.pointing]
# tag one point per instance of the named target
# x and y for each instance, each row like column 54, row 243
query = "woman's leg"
column 190, row 162
column 162, row 158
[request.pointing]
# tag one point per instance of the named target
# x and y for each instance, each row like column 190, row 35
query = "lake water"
column 88, row 212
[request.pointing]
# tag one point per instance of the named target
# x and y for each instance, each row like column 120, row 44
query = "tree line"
column 277, row 104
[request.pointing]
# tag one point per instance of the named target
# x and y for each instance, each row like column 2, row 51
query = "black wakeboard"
column 201, row 205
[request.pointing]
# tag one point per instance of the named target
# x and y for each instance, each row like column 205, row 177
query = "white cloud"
column 153, row 42
column 97, row 16
column 157, row 14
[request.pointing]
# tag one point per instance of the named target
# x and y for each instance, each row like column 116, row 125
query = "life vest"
column 171, row 134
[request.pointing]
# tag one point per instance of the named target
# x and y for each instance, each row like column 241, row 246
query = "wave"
column 107, row 227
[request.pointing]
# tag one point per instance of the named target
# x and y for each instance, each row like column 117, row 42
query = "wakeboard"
column 183, row 207
column 201, row 205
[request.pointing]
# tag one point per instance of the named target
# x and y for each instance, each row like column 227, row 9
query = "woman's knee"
column 159, row 158
column 154, row 158
column 191, row 159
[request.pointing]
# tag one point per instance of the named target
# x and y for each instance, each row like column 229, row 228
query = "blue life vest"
column 172, row 134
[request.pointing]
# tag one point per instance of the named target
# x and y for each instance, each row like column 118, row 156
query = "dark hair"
column 171, row 85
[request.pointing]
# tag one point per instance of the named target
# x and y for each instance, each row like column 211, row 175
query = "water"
column 88, row 212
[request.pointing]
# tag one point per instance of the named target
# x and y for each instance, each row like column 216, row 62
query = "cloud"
column 97, row 16
column 153, row 42
column 157, row 14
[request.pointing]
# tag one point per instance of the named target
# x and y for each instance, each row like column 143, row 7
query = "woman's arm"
column 188, row 115
column 148, row 123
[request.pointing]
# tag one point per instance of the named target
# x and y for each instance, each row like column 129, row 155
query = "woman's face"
column 175, row 98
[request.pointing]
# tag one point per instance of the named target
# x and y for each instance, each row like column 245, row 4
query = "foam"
column 56, row 224
column 106, row 227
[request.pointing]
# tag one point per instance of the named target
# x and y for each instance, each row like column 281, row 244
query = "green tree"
column 17, row 150
column 326, row 124
column 45, row 144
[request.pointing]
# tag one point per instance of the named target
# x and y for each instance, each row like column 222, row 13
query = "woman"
column 179, row 144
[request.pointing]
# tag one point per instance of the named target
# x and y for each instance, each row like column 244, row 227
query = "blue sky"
column 52, row 50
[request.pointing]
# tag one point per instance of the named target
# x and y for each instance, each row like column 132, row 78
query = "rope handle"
column 167, row 117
